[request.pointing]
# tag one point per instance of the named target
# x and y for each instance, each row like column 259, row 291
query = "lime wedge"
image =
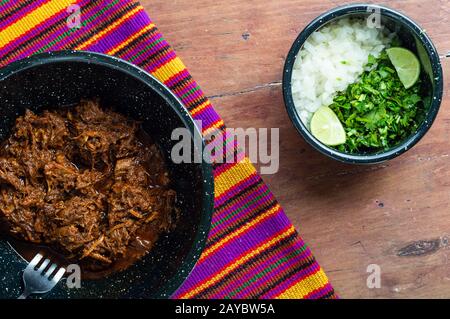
column 326, row 127
column 406, row 64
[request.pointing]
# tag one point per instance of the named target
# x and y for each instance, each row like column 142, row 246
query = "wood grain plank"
column 351, row 216
column 209, row 35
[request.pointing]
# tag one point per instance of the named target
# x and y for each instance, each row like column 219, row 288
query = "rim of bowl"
column 175, row 103
column 408, row 143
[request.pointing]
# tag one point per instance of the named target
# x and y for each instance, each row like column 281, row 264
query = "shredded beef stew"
column 86, row 182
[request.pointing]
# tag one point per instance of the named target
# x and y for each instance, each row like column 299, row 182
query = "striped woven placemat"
column 253, row 251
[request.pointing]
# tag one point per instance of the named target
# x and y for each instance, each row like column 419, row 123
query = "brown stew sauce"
column 84, row 185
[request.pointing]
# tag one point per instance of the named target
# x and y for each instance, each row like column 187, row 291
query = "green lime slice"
column 326, row 127
column 406, row 64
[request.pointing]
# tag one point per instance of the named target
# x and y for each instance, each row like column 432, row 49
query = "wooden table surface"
column 396, row 214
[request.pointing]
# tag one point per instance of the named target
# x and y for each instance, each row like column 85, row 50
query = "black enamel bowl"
column 413, row 37
column 53, row 80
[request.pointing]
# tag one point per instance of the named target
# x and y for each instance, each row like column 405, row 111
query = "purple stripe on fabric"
column 31, row 33
column 18, row 15
column 295, row 278
column 154, row 65
column 194, row 95
column 296, row 245
column 85, row 30
column 232, row 191
column 208, row 117
column 224, row 211
column 178, row 78
column 8, row 5
column 240, row 246
column 265, row 280
column 236, row 246
column 55, row 34
column 123, row 32
column 284, row 267
column 321, row 292
column 139, row 47
column 248, row 274
column 151, row 50
column 193, row 98
column 185, row 89
column 258, row 204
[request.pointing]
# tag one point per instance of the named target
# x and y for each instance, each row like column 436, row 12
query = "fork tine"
column 35, row 261
column 50, row 270
column 43, row 265
column 59, row 274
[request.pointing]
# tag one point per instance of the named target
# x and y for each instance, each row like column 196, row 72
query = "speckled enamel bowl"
column 53, row 80
column 412, row 36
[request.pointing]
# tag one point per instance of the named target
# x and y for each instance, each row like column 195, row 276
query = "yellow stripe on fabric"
column 305, row 286
column 239, row 231
column 130, row 39
column 233, row 176
column 168, row 70
column 32, row 19
column 238, row 262
column 109, row 29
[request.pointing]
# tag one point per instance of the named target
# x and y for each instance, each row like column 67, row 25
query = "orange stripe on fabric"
column 305, row 286
column 130, row 39
column 240, row 231
column 32, row 19
column 257, row 250
column 233, row 176
column 113, row 26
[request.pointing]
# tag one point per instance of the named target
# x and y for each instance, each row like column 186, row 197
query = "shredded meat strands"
column 84, row 183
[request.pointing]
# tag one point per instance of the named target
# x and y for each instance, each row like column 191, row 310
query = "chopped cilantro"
column 377, row 112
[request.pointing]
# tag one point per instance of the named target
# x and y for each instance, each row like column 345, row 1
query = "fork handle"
column 24, row 295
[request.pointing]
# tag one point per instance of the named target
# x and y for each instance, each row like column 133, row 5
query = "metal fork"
column 38, row 282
